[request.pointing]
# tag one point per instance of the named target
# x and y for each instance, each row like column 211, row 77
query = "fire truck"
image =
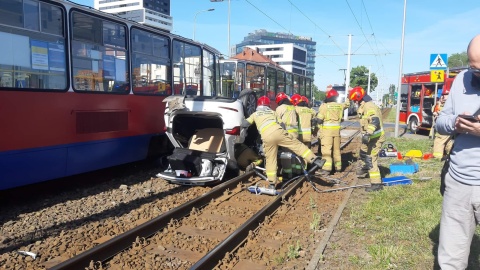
column 419, row 95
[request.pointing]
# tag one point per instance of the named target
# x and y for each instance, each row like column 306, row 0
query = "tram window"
column 256, row 78
column 99, row 60
column 289, row 84
column 227, row 71
column 240, row 77
column 30, row 9
column 280, row 81
column 301, row 83
column 308, row 86
column 50, row 21
column 209, row 74
column 271, row 82
column 150, row 63
column 11, row 12
column 31, row 60
column 187, row 62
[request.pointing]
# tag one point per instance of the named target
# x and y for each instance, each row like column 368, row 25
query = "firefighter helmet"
column 356, row 94
column 263, row 101
column 296, row 98
column 332, row 93
column 304, row 98
column 445, row 92
column 280, row 96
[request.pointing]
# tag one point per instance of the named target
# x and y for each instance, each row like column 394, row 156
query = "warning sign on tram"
column 437, row 75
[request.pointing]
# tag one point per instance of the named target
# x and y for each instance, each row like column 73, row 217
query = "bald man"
column 461, row 193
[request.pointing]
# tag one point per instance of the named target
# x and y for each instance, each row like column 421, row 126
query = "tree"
column 458, row 60
column 359, row 77
column 391, row 93
column 317, row 94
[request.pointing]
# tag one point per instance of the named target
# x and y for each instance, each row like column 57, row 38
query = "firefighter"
column 286, row 114
column 305, row 117
column 373, row 137
column 442, row 144
column 273, row 135
column 329, row 117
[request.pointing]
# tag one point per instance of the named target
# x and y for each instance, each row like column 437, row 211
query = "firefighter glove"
column 245, row 123
column 365, row 138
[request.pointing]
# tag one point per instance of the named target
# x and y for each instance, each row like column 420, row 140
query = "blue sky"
column 375, row 25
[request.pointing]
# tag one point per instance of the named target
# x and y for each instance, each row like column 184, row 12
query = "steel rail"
column 234, row 240
column 110, row 248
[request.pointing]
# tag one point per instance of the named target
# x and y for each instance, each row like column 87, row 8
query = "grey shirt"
column 465, row 155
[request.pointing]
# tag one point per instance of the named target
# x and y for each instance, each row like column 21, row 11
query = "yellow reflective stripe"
column 305, row 154
column 271, row 173
column 290, row 130
column 262, row 128
column 371, row 112
column 377, row 134
column 375, row 175
column 330, row 127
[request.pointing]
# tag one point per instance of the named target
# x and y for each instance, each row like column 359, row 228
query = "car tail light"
column 233, row 131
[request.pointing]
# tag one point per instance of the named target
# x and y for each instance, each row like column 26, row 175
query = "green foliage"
column 458, row 60
column 294, row 251
column 359, row 77
column 317, row 94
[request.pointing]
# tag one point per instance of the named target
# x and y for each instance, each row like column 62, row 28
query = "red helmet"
column 356, row 94
column 332, row 93
column 445, row 92
column 296, row 98
column 280, row 96
column 304, row 98
column 263, row 101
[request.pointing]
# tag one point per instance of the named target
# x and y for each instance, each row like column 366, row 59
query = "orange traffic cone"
column 399, row 156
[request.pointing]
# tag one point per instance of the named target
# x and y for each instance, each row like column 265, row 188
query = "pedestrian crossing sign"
column 437, row 75
column 438, row 61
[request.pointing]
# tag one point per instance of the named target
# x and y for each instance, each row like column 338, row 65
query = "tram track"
column 188, row 235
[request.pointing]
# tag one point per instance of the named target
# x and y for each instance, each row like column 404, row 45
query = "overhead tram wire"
column 329, row 36
column 288, row 31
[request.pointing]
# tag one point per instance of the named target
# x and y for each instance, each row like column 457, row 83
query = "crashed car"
column 204, row 131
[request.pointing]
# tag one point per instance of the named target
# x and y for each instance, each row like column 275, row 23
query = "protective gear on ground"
column 329, row 117
column 356, row 94
column 274, row 136
column 371, row 124
column 263, row 101
column 296, row 98
column 280, row 96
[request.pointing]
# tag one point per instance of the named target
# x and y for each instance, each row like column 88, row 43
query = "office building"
column 155, row 13
column 262, row 37
column 289, row 56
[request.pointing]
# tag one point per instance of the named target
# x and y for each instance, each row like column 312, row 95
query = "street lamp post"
column 195, row 19
column 228, row 50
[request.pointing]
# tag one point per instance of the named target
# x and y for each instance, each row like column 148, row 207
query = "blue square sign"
column 438, row 61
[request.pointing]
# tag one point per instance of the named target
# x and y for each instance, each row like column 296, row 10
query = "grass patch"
column 398, row 228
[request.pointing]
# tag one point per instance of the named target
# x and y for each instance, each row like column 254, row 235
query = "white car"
column 204, row 131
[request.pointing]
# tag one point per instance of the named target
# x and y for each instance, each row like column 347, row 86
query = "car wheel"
column 413, row 125
column 249, row 100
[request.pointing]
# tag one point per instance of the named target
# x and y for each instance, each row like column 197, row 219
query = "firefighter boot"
column 374, row 187
column 362, row 172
